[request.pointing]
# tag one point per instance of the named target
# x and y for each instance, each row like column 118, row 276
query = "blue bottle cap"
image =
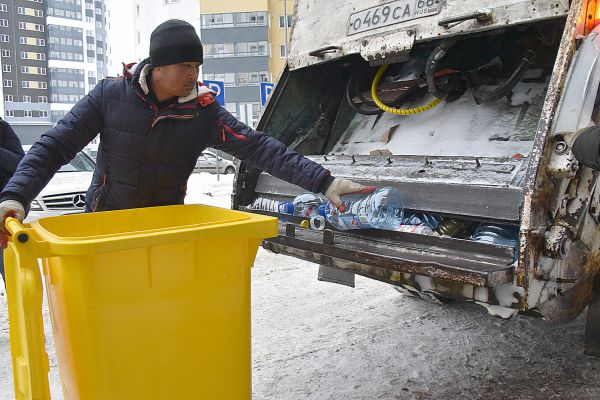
column 288, row 208
column 322, row 210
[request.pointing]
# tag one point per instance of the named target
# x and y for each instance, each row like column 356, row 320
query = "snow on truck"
column 467, row 108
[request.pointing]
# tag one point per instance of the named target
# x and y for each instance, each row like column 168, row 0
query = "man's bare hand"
column 9, row 208
column 340, row 187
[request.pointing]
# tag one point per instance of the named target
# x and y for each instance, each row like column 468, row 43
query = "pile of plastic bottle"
column 380, row 209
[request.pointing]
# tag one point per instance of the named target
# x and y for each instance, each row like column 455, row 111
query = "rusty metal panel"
column 538, row 188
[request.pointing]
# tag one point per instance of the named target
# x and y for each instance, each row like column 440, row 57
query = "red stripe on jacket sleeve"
column 232, row 132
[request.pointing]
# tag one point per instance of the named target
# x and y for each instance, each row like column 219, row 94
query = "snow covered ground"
column 314, row 340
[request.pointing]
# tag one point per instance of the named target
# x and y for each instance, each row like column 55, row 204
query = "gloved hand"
column 584, row 145
column 9, row 208
column 570, row 137
column 340, row 187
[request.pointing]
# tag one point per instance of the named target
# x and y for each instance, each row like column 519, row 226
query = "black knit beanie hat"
column 174, row 41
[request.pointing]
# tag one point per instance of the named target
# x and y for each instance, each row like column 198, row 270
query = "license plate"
column 392, row 13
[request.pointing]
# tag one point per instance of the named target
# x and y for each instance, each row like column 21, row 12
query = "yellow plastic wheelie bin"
column 150, row 303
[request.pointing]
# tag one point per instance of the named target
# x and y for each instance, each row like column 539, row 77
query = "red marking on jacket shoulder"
column 206, row 99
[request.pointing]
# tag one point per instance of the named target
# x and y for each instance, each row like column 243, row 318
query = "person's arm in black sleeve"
column 11, row 151
column 57, row 147
column 586, row 147
column 267, row 153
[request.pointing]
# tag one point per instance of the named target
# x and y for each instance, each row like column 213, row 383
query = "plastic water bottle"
column 496, row 234
column 381, row 209
column 420, row 229
column 430, row 220
column 305, row 205
column 265, row 204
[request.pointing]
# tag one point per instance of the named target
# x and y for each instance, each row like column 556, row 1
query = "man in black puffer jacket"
column 11, row 153
column 153, row 123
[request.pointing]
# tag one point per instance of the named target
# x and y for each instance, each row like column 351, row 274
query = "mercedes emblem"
column 79, row 200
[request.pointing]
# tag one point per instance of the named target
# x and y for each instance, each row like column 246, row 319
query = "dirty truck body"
column 515, row 78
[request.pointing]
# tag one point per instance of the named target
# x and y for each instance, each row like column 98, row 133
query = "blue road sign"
column 219, row 88
column 266, row 88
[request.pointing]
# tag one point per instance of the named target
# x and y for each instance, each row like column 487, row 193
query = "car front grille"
column 65, row 201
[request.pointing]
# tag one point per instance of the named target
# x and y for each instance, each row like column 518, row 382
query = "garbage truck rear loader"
column 468, row 109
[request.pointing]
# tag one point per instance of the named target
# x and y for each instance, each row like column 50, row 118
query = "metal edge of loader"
column 457, row 260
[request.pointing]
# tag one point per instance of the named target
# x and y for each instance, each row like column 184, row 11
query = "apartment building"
column 77, row 51
column 52, row 52
column 244, row 45
column 24, row 66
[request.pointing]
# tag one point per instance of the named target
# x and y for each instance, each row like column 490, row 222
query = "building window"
column 41, row 71
column 5, row 53
column 9, row 113
column 42, row 99
column 43, row 85
column 3, row 7
column 4, row 38
column 26, row 99
column 20, row 10
column 7, row 83
column 3, row 23
column 254, row 18
column 39, row 13
column 9, row 98
column 282, row 51
column 282, row 21
column 6, row 68
column 24, row 69
column 25, row 84
column 43, row 114
column 28, row 113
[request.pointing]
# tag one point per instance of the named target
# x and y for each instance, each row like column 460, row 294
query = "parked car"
column 65, row 193
column 207, row 162
column 91, row 150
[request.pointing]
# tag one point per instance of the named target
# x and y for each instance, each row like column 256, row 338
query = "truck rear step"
column 465, row 261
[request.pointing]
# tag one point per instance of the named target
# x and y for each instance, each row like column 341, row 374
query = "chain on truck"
column 467, row 108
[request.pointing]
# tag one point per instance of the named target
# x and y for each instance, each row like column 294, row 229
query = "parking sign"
column 219, row 88
column 266, row 88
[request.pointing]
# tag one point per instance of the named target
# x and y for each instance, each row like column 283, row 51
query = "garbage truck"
column 468, row 108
